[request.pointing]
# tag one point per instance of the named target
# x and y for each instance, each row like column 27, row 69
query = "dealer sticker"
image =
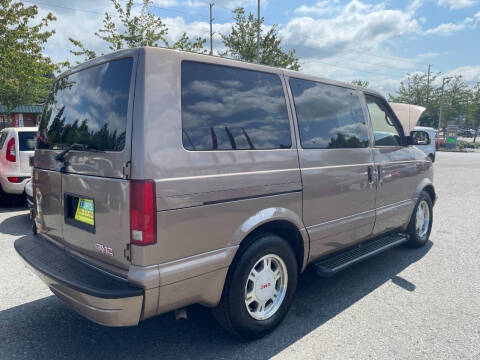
column 85, row 211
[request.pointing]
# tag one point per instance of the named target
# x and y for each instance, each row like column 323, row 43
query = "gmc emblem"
column 264, row 286
column 104, row 249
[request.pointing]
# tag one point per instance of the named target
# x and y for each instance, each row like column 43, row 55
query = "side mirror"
column 419, row 138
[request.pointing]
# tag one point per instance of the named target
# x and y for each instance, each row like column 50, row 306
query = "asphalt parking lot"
column 403, row 304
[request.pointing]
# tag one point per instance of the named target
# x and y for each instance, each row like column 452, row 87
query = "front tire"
column 420, row 224
column 259, row 288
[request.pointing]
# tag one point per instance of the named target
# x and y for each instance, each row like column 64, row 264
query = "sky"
column 377, row 41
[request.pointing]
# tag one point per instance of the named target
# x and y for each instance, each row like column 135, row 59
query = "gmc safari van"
column 165, row 178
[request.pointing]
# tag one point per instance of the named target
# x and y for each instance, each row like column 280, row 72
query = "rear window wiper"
column 75, row 146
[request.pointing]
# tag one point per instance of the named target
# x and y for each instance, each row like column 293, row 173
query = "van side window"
column 385, row 131
column 328, row 116
column 226, row 108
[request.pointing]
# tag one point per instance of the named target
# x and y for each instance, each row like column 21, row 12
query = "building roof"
column 33, row 109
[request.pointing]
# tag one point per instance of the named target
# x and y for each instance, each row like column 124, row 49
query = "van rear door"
column 26, row 147
column 84, row 137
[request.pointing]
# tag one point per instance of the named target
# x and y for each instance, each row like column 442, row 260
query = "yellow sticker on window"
column 85, row 211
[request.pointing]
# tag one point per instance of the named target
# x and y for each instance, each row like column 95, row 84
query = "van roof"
column 215, row 59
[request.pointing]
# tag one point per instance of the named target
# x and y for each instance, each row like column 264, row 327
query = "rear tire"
column 432, row 157
column 263, row 275
column 420, row 224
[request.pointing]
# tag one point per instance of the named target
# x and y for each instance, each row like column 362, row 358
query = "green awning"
column 24, row 109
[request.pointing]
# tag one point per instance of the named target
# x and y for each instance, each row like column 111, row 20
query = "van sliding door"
column 336, row 165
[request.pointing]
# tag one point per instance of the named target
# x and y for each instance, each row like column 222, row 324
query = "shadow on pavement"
column 14, row 203
column 17, row 224
column 47, row 329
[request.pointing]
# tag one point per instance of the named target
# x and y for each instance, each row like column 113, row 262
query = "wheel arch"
column 427, row 185
column 280, row 221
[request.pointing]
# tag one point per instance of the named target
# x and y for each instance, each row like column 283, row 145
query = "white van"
column 429, row 149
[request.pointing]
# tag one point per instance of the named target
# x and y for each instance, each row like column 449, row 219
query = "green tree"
column 418, row 89
column 473, row 113
column 241, row 43
column 361, row 83
column 144, row 29
column 456, row 99
column 25, row 73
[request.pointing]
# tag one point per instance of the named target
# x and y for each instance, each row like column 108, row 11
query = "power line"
column 363, row 62
column 211, row 29
column 385, row 56
column 345, row 68
column 92, row 12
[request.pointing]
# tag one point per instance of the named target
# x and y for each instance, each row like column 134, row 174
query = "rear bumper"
column 99, row 297
column 14, row 188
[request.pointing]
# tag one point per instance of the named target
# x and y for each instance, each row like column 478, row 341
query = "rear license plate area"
column 80, row 212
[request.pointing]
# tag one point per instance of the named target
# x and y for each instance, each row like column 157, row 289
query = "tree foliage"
column 241, row 43
column 144, row 29
column 361, row 83
column 25, row 73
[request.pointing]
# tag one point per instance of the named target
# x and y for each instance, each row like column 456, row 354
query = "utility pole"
column 441, row 101
column 211, row 29
column 428, row 84
column 258, row 33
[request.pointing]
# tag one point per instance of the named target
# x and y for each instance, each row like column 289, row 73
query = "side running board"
column 339, row 261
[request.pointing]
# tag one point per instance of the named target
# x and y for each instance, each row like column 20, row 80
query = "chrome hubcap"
column 422, row 220
column 266, row 287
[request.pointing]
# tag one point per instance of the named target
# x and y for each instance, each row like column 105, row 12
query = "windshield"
column 88, row 107
column 26, row 140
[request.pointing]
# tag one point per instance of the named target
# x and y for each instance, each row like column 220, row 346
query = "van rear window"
column 26, row 140
column 226, row 108
column 88, row 107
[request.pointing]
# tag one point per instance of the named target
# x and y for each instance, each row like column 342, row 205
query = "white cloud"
column 450, row 28
column 357, row 25
column 456, row 4
column 76, row 24
column 428, row 55
column 325, row 7
column 165, row 3
column 470, row 74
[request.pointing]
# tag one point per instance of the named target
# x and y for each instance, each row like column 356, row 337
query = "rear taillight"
column 14, row 179
column 11, row 153
column 143, row 217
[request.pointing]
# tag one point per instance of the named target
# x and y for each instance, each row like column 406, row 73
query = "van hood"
column 408, row 115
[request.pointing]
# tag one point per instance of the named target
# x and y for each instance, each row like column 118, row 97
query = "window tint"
column 384, row 129
column 27, row 140
column 88, row 107
column 226, row 108
column 328, row 116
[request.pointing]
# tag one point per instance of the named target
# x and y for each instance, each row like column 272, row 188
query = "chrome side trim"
column 389, row 207
column 273, row 171
column 346, row 219
column 210, row 176
column 251, row 197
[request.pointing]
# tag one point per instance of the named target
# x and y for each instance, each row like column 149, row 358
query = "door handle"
column 370, row 172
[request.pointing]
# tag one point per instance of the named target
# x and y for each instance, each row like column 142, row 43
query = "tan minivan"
column 165, row 178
